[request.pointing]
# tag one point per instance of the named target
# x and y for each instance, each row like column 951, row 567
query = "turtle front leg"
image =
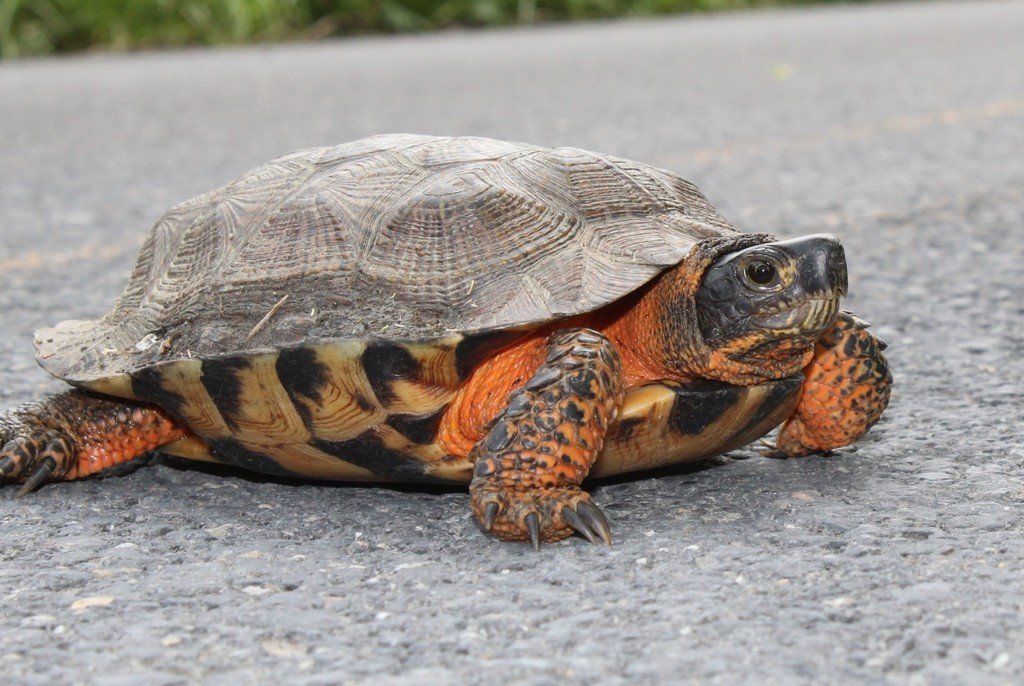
column 72, row 435
column 529, row 466
column 845, row 391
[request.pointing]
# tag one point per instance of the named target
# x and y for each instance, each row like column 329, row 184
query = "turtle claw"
column 532, row 522
column 570, row 517
column 595, row 520
column 39, row 475
column 543, row 515
column 490, row 512
column 35, row 456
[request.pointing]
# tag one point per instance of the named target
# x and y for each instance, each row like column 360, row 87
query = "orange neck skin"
column 654, row 336
column 632, row 325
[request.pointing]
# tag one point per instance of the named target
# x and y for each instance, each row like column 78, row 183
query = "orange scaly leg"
column 845, row 391
column 529, row 466
column 72, row 435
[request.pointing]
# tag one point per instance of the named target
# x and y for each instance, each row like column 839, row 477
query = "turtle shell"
column 316, row 317
column 392, row 238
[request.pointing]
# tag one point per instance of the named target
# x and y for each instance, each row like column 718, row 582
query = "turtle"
column 408, row 308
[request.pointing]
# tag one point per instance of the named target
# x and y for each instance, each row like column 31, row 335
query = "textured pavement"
column 897, row 127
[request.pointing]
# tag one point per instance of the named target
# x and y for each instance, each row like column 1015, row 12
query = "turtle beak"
column 821, row 263
column 835, row 266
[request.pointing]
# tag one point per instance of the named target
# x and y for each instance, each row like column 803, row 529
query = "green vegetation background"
column 37, row 27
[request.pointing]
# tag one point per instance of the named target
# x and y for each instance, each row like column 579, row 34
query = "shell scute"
column 401, row 237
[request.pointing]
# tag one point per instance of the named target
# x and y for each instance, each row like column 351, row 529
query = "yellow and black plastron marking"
column 330, row 389
column 357, row 411
column 178, row 388
column 666, row 424
column 252, row 400
column 347, row 410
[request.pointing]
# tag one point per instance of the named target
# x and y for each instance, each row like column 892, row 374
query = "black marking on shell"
column 697, row 407
column 387, row 362
column 221, row 378
column 364, row 403
column 418, row 428
column 781, row 391
column 475, row 348
column 625, row 429
column 302, row 375
column 232, row 452
column 367, row 451
column 148, row 385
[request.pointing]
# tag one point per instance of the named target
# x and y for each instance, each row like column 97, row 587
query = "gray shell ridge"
column 396, row 237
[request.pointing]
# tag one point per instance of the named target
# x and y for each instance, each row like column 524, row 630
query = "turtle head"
column 771, row 301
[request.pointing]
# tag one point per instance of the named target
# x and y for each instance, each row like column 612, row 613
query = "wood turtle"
column 415, row 308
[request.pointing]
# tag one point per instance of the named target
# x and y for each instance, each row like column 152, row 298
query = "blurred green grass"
column 38, row 27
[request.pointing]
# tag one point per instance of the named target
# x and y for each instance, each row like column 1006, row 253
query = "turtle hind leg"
column 845, row 391
column 529, row 465
column 74, row 434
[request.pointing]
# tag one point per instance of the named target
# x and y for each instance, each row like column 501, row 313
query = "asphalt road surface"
column 897, row 127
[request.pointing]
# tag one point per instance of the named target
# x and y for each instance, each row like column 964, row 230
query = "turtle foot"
column 847, row 388
column 31, row 453
column 73, row 435
column 539, row 515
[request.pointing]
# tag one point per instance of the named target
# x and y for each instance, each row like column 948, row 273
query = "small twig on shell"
column 267, row 317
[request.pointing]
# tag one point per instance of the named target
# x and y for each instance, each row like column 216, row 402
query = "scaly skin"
column 72, row 435
column 845, row 392
column 529, row 466
column 533, row 444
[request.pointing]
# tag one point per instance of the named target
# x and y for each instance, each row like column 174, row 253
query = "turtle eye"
column 761, row 273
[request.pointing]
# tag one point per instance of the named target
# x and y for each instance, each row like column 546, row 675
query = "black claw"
column 596, row 520
column 858, row 323
column 490, row 512
column 7, row 466
column 532, row 522
column 38, row 476
column 572, row 519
